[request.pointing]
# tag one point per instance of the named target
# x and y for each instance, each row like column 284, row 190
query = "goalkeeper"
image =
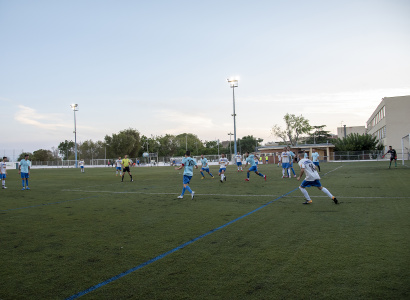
column 393, row 156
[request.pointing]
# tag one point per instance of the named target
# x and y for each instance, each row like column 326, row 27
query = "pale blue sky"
column 161, row 66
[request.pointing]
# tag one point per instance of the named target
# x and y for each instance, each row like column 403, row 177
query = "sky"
column 161, row 67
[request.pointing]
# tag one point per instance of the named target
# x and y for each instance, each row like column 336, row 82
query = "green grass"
column 72, row 231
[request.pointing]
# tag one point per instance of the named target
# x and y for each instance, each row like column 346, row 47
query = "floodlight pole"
column 74, row 108
column 230, row 143
column 233, row 84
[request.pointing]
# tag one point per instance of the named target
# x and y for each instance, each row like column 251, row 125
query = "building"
column 345, row 131
column 390, row 122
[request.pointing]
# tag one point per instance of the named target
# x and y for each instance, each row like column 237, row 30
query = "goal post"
column 405, row 148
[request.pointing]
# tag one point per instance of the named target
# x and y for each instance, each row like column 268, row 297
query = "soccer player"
column 305, row 155
column 393, row 155
column 24, row 171
column 118, row 165
column 279, row 158
column 292, row 156
column 238, row 159
column 3, row 173
column 312, row 178
column 250, row 158
column 266, row 159
column 315, row 158
column 125, row 163
column 223, row 162
column 205, row 167
column 81, row 163
column 188, row 164
column 285, row 163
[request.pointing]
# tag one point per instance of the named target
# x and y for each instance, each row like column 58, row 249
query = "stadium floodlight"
column 74, row 107
column 233, row 83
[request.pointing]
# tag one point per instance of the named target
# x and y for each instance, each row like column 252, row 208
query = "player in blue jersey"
column 315, row 158
column 188, row 164
column 24, row 171
column 238, row 159
column 250, row 158
column 292, row 157
column 205, row 167
column 223, row 162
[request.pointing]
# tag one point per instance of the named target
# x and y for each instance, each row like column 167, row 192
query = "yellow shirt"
column 126, row 162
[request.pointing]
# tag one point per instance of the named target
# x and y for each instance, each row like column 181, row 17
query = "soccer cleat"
column 294, row 176
column 202, row 177
column 4, row 187
column 27, row 188
column 335, row 200
column 225, row 178
column 23, row 188
column 213, row 177
column 307, row 202
column 221, row 181
column 264, row 176
column 131, row 180
column 246, row 179
column 180, row 197
column 192, row 195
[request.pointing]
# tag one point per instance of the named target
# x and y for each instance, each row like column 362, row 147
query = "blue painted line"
column 43, row 204
column 90, row 289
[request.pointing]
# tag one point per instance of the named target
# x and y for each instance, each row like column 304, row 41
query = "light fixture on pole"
column 230, row 143
column 233, row 83
column 74, row 107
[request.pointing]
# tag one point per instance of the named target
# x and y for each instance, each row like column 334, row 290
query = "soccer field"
column 92, row 236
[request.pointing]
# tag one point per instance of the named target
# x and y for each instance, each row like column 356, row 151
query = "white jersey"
column 285, row 157
column 310, row 169
column 118, row 163
column 81, row 163
column 223, row 162
column 3, row 167
column 238, row 158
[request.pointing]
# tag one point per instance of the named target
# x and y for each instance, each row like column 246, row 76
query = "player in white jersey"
column 223, row 162
column 312, row 179
column 279, row 158
column 238, row 159
column 285, row 157
column 205, row 167
column 118, row 166
column 81, row 164
column 3, row 172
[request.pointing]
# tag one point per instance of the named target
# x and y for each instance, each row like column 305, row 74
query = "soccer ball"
column 145, row 154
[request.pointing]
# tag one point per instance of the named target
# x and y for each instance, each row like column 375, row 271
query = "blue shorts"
column 306, row 184
column 291, row 165
column 2, row 176
column 187, row 179
column 119, row 168
column 222, row 169
column 253, row 168
column 316, row 163
column 239, row 163
column 82, row 167
column 24, row 175
column 205, row 169
column 285, row 165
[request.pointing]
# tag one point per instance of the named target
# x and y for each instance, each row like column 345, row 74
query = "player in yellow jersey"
column 126, row 167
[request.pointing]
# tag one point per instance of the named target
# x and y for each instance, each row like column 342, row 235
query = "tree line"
column 132, row 143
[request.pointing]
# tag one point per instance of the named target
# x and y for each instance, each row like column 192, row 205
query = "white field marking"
column 232, row 195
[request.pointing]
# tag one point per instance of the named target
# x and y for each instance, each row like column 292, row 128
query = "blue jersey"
column 315, row 157
column 204, row 163
column 188, row 164
column 251, row 160
column 24, row 165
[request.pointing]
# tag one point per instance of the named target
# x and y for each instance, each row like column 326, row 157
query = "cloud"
column 29, row 116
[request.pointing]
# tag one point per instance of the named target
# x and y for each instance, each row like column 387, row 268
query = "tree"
column 66, row 148
column 248, row 144
column 23, row 155
column 42, row 155
column 319, row 135
column 295, row 126
column 188, row 141
column 357, row 142
column 125, row 142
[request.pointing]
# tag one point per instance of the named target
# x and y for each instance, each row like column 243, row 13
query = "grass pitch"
column 75, row 231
